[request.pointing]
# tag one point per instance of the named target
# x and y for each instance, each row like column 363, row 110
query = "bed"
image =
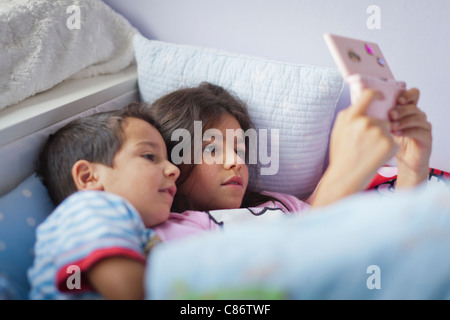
column 296, row 101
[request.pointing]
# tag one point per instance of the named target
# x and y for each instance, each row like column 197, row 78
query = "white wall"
column 414, row 36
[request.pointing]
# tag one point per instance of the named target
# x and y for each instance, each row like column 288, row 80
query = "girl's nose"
column 232, row 160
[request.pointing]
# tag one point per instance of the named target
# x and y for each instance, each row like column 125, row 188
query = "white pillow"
column 298, row 100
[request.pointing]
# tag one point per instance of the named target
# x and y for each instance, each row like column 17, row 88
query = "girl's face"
column 220, row 184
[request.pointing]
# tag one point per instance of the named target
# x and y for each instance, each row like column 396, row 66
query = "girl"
column 227, row 181
column 357, row 141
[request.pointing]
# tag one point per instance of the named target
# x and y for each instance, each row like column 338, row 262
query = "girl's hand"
column 412, row 133
column 359, row 146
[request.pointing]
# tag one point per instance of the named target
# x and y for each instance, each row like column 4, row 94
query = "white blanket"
column 44, row 42
column 363, row 247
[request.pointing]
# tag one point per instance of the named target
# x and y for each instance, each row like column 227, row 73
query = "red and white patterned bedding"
column 385, row 180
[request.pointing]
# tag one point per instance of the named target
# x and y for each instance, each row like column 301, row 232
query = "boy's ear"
column 85, row 176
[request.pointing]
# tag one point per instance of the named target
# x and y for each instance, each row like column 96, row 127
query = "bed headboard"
column 25, row 127
column 61, row 61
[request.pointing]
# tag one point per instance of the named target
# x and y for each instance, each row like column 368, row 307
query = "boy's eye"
column 150, row 157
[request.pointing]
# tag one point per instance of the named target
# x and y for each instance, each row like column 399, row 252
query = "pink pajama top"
column 180, row 225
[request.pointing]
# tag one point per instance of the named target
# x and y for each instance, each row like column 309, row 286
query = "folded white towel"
column 40, row 44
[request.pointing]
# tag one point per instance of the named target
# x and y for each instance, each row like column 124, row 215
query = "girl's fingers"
column 399, row 112
column 414, row 121
column 409, row 97
column 364, row 101
column 418, row 134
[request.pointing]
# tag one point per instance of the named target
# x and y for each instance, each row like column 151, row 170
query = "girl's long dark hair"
column 206, row 103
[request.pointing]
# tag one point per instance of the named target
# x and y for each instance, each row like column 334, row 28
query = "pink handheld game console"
column 362, row 65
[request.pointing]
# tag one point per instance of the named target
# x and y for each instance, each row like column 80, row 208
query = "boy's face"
column 141, row 172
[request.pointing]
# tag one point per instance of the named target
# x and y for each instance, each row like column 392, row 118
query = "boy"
column 110, row 178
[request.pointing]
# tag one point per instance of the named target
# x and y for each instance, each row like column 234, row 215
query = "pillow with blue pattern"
column 21, row 211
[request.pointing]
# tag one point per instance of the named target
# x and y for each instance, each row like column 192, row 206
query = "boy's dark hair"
column 95, row 138
column 206, row 103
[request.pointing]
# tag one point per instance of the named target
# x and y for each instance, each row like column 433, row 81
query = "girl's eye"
column 240, row 153
column 150, row 157
column 210, row 149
